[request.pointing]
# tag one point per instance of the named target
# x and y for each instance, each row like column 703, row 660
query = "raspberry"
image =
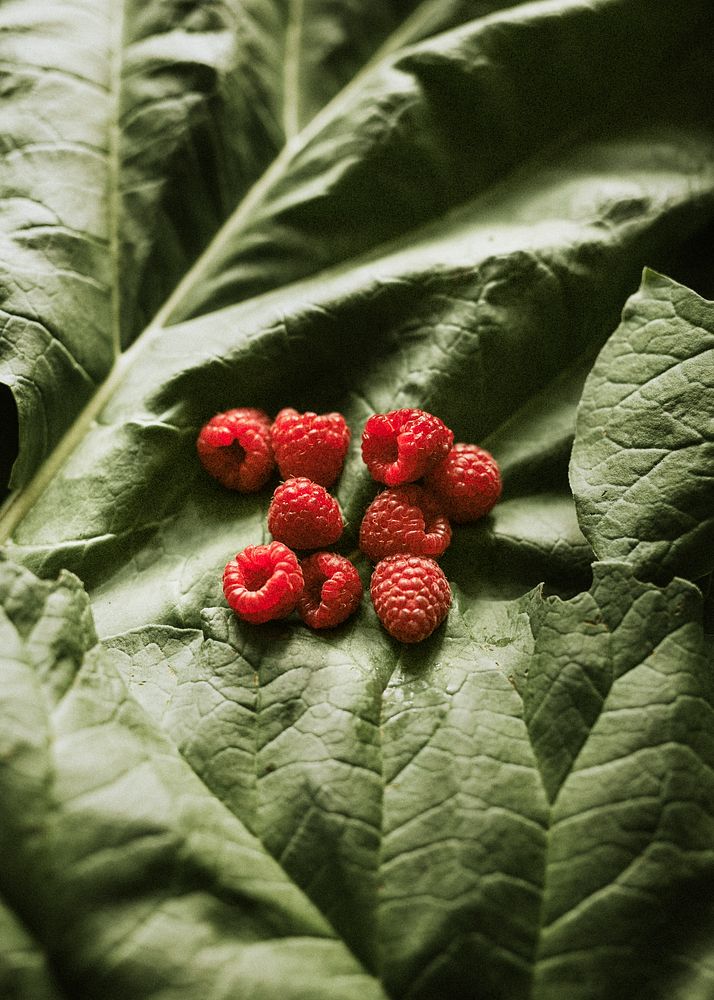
column 467, row 482
column 406, row 519
column 234, row 447
column 332, row 591
column 304, row 515
column 401, row 446
column 411, row 596
column 306, row 444
column 263, row 582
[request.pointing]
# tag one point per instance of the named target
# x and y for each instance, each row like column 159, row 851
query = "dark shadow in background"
column 9, row 438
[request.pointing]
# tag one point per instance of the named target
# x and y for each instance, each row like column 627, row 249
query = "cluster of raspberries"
column 404, row 530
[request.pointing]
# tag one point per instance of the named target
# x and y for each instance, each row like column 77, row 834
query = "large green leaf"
column 354, row 206
column 134, row 879
column 643, row 461
column 130, row 130
column 440, row 122
column 445, row 322
column 519, row 804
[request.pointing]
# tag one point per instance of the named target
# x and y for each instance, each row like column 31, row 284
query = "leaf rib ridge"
column 291, row 69
column 256, row 826
column 114, row 193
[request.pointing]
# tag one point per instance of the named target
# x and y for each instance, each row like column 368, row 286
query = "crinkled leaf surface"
column 643, row 460
column 518, row 804
column 130, row 130
column 133, row 130
column 119, row 862
column 343, row 205
column 444, row 322
column 442, row 121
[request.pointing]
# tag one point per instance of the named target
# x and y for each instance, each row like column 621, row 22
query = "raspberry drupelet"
column 303, row 515
column 467, row 483
column 263, row 582
column 411, row 596
column 235, row 448
column 333, row 590
column 404, row 519
column 310, row 444
column 402, row 445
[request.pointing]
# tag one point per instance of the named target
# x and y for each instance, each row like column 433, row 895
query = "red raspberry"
column 406, row 519
column 263, row 582
column 401, row 446
column 411, row 596
column 234, row 447
column 332, row 591
column 304, row 515
column 467, row 482
column 306, row 444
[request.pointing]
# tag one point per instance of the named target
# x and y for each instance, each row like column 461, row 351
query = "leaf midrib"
column 291, row 69
column 114, row 199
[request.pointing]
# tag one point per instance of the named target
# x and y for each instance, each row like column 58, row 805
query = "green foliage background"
column 499, row 212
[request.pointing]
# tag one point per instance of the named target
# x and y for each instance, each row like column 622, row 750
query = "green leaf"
column 332, row 205
column 443, row 323
column 288, row 740
column 24, row 970
column 518, row 804
column 627, row 897
column 130, row 131
column 439, row 123
column 101, row 218
column 128, row 872
column 643, row 461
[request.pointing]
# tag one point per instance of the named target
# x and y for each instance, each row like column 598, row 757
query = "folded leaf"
column 130, row 130
column 642, row 468
column 440, row 122
column 133, row 878
column 453, row 322
column 518, row 804
column 133, row 133
column 331, row 205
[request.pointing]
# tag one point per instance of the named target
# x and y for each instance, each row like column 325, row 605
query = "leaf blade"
column 131, row 888
column 644, row 442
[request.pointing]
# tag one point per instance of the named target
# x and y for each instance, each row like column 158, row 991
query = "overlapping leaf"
column 522, row 806
column 438, row 123
column 130, row 875
column 445, row 323
column 519, row 803
column 130, row 131
column 643, row 461
column 183, row 106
